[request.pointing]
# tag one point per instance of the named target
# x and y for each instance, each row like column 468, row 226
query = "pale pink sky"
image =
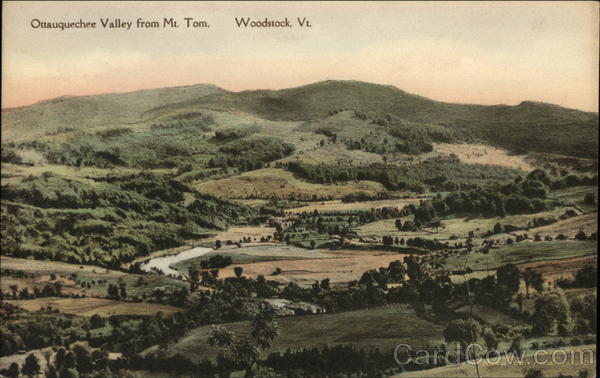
column 469, row 52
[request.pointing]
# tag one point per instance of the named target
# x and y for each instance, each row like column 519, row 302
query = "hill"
column 527, row 127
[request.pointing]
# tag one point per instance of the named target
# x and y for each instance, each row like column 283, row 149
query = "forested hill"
column 527, row 127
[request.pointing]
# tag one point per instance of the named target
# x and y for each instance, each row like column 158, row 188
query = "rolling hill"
column 527, row 127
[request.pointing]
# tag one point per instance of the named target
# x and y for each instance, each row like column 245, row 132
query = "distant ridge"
column 532, row 125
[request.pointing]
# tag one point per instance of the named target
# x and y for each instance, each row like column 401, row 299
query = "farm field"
column 237, row 233
column 380, row 327
column 523, row 253
column 269, row 183
column 460, row 226
column 483, row 154
column 342, row 266
column 563, row 268
column 94, row 306
column 588, row 223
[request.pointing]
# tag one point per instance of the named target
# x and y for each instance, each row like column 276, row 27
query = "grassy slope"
column 268, row 182
column 524, row 253
column 89, row 112
column 381, row 328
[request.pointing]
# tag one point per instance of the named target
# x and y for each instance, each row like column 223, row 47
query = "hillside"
column 527, row 127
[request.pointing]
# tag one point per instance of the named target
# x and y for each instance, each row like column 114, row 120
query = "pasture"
column 457, row 226
column 340, row 267
column 94, row 306
column 278, row 183
column 483, row 154
column 526, row 252
column 381, row 327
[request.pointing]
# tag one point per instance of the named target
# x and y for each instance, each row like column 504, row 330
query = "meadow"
column 380, row 328
column 522, row 253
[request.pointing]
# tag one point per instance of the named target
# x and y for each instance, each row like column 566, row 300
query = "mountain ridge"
column 528, row 126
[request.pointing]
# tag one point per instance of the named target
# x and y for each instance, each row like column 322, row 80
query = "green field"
column 381, row 327
column 522, row 253
column 453, row 226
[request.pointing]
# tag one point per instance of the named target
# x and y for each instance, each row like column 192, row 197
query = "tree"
column 217, row 244
column 533, row 373
column 509, row 276
column 497, row 228
column 14, row 289
column 464, row 332
column 243, row 352
column 123, row 290
column 550, row 311
column 533, row 279
column 587, row 276
column 113, row 292
column 83, row 356
column 32, row 365
column 491, row 340
column 14, row 370
column 96, row 321
column 238, row 270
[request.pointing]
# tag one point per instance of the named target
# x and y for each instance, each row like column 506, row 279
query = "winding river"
column 164, row 262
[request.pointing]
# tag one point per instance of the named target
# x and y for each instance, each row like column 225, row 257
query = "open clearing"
column 343, row 266
column 332, row 154
column 269, row 183
column 381, row 327
column 238, row 233
column 510, row 368
column 91, row 306
column 482, row 154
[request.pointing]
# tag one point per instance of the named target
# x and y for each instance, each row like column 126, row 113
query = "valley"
column 146, row 225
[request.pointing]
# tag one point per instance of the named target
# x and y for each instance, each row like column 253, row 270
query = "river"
column 164, row 262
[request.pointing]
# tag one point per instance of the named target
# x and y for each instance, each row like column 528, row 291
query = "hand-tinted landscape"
column 302, row 232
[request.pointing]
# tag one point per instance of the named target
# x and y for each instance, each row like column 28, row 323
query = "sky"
column 462, row 52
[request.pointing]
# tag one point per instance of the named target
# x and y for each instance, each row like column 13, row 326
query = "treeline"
column 584, row 277
column 363, row 197
column 236, row 132
column 23, row 330
column 521, row 196
column 331, row 361
column 250, row 154
column 438, row 174
column 109, row 223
